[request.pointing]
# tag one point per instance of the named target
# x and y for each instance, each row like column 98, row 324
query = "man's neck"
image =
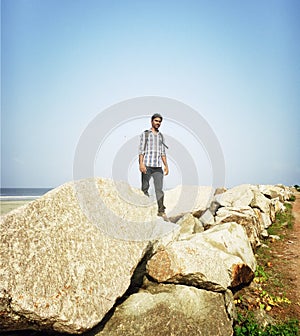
column 155, row 131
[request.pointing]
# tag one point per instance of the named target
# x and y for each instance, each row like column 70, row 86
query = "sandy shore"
column 7, row 206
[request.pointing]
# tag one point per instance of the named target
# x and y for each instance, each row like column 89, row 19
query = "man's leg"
column 145, row 181
column 158, row 176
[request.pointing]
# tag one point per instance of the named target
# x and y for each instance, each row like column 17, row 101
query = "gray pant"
column 158, row 175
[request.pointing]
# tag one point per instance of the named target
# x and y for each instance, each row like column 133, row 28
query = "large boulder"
column 216, row 259
column 239, row 196
column 232, row 239
column 276, row 206
column 60, row 269
column 261, row 202
column 263, row 219
column 184, row 199
column 119, row 210
column 244, row 216
column 189, row 225
column 170, row 310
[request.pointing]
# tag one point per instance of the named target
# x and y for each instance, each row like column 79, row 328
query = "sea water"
column 20, row 194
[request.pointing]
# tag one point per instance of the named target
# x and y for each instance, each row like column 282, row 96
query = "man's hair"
column 156, row 115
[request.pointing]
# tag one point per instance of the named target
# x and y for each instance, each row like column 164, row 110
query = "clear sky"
column 237, row 63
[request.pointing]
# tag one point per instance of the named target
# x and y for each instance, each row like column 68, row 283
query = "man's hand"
column 164, row 160
column 143, row 168
column 166, row 170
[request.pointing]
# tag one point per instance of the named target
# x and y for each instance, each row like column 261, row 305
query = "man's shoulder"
column 146, row 132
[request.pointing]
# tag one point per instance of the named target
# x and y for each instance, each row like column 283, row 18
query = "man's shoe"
column 163, row 215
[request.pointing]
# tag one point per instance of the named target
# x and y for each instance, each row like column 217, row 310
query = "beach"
column 12, row 198
column 7, row 206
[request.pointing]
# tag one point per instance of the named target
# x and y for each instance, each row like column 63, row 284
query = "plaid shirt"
column 154, row 149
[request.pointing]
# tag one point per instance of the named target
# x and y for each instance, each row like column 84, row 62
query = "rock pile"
column 252, row 206
column 73, row 264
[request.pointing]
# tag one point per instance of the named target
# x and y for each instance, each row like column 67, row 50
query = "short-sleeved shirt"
column 154, row 149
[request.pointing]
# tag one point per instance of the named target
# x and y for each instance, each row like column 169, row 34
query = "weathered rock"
column 279, row 191
column 119, row 210
column 264, row 234
column 263, row 219
column 274, row 237
column 239, row 196
column 260, row 201
column 232, row 239
column 166, row 239
column 198, row 228
column 263, row 319
column 184, row 199
column 286, row 191
column 207, row 219
column 220, row 191
column 214, row 206
column 187, row 225
column 170, row 310
column 226, row 247
column 244, row 216
column 58, row 269
column 266, row 220
column 277, row 206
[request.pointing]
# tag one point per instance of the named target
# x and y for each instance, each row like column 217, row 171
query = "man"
column 152, row 155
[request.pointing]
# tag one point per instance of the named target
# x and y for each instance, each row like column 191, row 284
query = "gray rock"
column 214, row 206
column 246, row 217
column 207, row 219
column 276, row 191
column 263, row 319
column 166, row 239
column 198, row 228
column 263, row 219
column 220, row 191
column 232, row 239
column 184, row 199
column 264, row 234
column 260, row 201
column 226, row 247
column 278, row 206
column 170, row 310
column 58, row 269
column 119, row 210
column 274, row 237
column 239, row 196
column 187, row 224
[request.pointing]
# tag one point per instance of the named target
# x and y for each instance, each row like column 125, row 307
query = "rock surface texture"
column 58, row 270
column 226, row 247
column 92, row 258
column 170, row 310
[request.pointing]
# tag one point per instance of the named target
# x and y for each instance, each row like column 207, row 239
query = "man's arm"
column 143, row 168
column 164, row 160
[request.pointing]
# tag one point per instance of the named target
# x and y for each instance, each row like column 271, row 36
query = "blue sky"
column 65, row 61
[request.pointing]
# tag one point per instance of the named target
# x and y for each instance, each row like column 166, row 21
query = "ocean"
column 22, row 194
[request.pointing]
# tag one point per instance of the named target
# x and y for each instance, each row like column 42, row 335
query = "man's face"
column 156, row 123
